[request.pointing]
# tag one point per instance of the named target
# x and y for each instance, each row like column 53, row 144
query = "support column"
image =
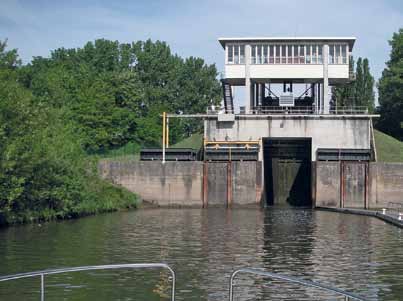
column 319, row 97
column 326, row 100
column 248, row 86
column 255, row 95
column 313, row 96
column 262, row 90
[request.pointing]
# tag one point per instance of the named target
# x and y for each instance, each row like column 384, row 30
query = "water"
column 357, row 253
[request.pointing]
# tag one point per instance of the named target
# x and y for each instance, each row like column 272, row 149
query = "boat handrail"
column 347, row 296
column 90, row 268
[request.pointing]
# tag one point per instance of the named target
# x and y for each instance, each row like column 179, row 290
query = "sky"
column 191, row 27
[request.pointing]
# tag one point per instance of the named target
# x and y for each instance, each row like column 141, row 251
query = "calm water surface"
column 360, row 254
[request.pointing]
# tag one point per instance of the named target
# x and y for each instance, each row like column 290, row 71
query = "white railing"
column 260, row 272
column 90, row 268
column 346, row 295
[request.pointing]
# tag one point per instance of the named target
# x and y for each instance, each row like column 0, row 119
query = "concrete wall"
column 327, row 190
column 246, row 182
column 173, row 183
column 385, row 184
column 372, row 186
column 217, row 184
column 325, row 131
column 181, row 183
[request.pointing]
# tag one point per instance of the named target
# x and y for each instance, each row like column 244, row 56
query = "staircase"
column 228, row 100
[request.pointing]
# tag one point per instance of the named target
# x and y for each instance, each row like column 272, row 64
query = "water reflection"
column 357, row 253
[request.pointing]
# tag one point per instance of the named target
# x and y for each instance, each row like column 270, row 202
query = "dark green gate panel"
column 287, row 164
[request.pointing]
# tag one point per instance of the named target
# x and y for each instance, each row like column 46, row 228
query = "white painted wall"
column 287, row 71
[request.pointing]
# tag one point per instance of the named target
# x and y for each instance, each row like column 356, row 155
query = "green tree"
column 343, row 95
column 115, row 93
column 44, row 171
column 357, row 93
column 391, row 90
column 368, row 87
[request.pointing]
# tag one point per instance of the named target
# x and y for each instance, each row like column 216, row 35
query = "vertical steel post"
column 229, row 184
column 342, row 183
column 163, row 136
column 167, row 130
column 366, row 186
column 42, row 287
column 205, row 187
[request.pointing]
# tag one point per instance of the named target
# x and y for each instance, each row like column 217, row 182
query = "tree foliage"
column 391, row 90
column 357, row 93
column 56, row 110
column 114, row 93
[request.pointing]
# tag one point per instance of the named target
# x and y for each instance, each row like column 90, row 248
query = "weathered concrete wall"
column 355, row 179
column 172, row 183
column 246, row 182
column 327, row 190
column 385, row 184
column 216, row 184
column 325, row 131
column 372, row 186
column 181, row 183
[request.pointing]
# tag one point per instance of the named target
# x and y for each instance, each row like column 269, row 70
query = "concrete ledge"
column 386, row 218
column 226, row 117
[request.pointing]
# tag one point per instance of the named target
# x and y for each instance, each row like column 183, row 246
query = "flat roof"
column 349, row 40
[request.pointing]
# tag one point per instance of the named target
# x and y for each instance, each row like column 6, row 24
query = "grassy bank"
column 195, row 141
column 101, row 197
column 388, row 148
column 131, row 151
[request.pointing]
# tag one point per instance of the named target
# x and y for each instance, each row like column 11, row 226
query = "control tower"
column 260, row 63
column 287, row 115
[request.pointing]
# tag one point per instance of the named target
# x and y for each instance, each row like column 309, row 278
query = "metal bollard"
column 383, row 211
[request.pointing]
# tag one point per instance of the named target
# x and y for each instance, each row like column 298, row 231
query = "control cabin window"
column 281, row 53
column 338, row 54
column 235, row 54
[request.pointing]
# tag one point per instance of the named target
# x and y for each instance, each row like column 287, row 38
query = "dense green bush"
column 44, row 171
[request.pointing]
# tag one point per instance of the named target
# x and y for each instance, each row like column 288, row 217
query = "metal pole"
column 229, row 181
column 42, row 287
column 205, row 184
column 167, row 130
column 163, row 136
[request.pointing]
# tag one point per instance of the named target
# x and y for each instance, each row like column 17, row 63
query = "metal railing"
column 356, row 110
column 91, row 268
column 394, row 209
column 283, row 110
column 291, row 110
column 347, row 296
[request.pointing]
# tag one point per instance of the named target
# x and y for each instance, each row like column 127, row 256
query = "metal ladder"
column 228, row 99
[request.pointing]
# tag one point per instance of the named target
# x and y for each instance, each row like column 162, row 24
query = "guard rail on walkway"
column 347, row 296
column 291, row 110
column 90, row 268
column 394, row 209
